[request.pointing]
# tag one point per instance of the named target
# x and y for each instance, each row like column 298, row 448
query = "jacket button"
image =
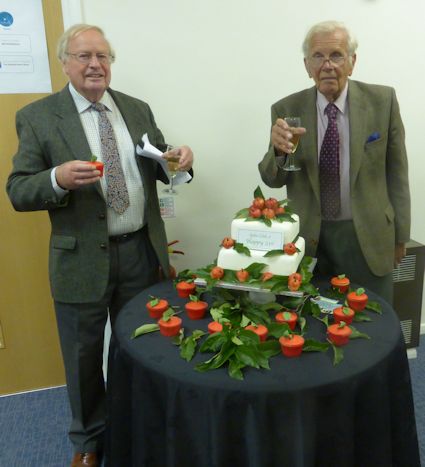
column 103, row 246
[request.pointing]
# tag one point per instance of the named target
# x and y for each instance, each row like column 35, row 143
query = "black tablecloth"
column 302, row 412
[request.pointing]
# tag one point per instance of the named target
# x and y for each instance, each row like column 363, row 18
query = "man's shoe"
column 85, row 459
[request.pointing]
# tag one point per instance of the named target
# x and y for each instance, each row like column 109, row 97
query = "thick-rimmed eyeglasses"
column 318, row 60
column 85, row 57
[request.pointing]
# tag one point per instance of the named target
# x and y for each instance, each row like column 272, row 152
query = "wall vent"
column 406, row 270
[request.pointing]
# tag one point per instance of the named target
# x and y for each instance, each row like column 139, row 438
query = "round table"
column 302, row 412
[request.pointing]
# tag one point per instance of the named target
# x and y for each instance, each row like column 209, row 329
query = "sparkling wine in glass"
column 173, row 168
column 293, row 122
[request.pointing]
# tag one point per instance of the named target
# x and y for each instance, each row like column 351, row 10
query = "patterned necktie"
column 330, row 196
column 116, row 193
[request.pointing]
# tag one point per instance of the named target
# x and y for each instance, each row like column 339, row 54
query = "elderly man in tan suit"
column 355, row 210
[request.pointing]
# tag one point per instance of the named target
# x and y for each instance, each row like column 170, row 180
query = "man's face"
column 89, row 79
column 330, row 76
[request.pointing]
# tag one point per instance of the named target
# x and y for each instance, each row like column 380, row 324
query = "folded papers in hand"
column 146, row 149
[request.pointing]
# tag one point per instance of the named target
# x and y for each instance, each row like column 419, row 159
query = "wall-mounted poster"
column 24, row 63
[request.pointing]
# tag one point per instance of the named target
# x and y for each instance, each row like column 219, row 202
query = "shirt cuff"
column 60, row 192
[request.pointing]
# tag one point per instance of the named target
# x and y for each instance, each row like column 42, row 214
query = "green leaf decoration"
column 278, row 329
column 187, row 349
column 357, row 334
column 177, row 340
column 241, row 248
column 375, row 307
column 145, row 329
column 255, row 269
column 236, row 340
column 248, row 356
column 258, row 193
column 93, row 158
column 168, row 314
column 338, row 354
column 270, row 348
column 234, row 370
column 267, row 221
column 213, row 342
column 272, row 253
column 154, row 301
column 302, row 322
column 313, row 345
column 242, row 214
column 359, row 317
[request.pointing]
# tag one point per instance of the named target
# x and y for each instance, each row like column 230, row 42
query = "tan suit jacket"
column 50, row 133
column 379, row 189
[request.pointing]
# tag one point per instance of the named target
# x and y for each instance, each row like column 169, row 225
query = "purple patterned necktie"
column 116, row 193
column 330, row 192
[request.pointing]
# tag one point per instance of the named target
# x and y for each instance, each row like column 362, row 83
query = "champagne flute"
column 293, row 122
column 173, row 168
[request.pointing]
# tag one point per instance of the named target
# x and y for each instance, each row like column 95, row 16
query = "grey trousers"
column 339, row 252
column 133, row 267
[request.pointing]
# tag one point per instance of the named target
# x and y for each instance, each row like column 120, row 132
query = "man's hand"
column 399, row 254
column 185, row 155
column 75, row 174
column 282, row 135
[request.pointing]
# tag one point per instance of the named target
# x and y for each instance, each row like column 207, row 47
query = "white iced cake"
column 260, row 238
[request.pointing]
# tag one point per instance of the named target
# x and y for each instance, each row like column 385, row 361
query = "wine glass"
column 293, row 122
column 173, row 168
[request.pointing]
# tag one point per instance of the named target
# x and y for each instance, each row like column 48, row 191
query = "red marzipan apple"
column 340, row 282
column 268, row 213
column 184, row 289
column 242, row 275
column 196, row 310
column 271, row 203
column 217, row 272
column 156, row 311
column 290, row 248
column 171, row 327
column 339, row 333
column 258, row 203
column 291, row 346
column 228, row 242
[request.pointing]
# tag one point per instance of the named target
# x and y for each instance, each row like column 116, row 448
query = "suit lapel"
column 72, row 131
column 358, row 118
column 70, row 127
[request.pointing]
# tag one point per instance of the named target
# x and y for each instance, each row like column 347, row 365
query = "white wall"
column 211, row 69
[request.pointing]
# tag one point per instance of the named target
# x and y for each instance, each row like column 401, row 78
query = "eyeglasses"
column 86, row 58
column 318, row 60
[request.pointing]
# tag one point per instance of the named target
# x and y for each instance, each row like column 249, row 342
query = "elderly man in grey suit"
column 108, row 239
column 352, row 192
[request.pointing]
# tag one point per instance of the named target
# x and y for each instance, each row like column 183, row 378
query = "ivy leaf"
column 145, row 329
column 270, row 348
column 358, row 317
column 357, row 334
column 213, row 342
column 258, row 193
column 374, row 306
column 338, row 354
column 243, row 213
column 272, row 253
column 313, row 345
column 278, row 329
column 187, row 349
column 247, row 355
column 234, row 370
column 242, row 249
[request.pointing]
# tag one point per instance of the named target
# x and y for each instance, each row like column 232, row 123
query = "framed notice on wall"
column 24, row 63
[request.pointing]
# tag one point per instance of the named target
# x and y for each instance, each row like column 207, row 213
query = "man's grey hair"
column 329, row 27
column 73, row 32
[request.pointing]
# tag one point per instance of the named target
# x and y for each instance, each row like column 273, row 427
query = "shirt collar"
column 341, row 102
column 84, row 104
